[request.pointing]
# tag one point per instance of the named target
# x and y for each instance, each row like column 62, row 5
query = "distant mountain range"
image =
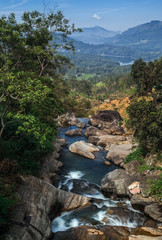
column 141, row 41
column 94, row 35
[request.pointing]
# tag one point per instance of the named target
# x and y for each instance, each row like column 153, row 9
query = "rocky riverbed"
column 77, row 198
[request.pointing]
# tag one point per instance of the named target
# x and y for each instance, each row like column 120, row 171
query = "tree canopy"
column 145, row 113
column 32, row 88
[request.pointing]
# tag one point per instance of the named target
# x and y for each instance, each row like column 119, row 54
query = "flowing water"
column 83, row 176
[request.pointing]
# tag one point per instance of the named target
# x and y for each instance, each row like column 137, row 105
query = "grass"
column 156, row 188
column 136, row 155
column 85, row 76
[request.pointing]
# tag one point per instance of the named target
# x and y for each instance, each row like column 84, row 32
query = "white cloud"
column 16, row 4
column 96, row 16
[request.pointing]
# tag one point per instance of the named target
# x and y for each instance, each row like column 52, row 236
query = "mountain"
column 142, row 41
column 123, row 54
column 145, row 36
column 94, row 35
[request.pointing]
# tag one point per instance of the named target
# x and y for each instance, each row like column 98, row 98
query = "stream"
column 83, row 176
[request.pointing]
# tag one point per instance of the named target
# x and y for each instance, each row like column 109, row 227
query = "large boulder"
column 108, row 121
column 83, row 148
column 146, row 233
column 114, row 183
column 73, row 132
column 154, row 210
column 94, row 233
column 138, row 200
column 38, row 200
column 107, row 140
column 117, row 153
column 105, row 232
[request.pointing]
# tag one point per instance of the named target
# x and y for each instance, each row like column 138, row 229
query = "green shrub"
column 156, row 187
column 138, row 154
column 5, row 205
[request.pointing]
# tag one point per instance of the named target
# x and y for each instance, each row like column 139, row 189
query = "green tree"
column 145, row 115
column 31, row 75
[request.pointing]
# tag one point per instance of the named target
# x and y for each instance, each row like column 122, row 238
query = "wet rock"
column 107, row 163
column 118, row 153
column 114, row 182
column 83, row 148
column 73, row 132
column 36, row 199
column 154, row 211
column 80, row 124
column 80, row 186
column 123, row 215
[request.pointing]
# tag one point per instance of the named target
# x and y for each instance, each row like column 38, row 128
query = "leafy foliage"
column 156, row 188
column 32, row 88
column 136, row 155
column 145, row 119
column 145, row 114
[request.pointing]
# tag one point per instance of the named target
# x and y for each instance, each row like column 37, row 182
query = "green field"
column 85, row 76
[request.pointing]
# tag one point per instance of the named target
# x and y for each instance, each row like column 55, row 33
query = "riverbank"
column 40, row 202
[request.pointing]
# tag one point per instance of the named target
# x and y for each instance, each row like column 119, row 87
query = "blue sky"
column 110, row 14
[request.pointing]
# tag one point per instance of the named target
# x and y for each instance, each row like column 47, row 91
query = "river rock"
column 154, row 211
column 108, row 121
column 73, row 132
column 80, row 124
column 38, row 199
column 145, row 233
column 142, row 237
column 131, row 167
column 114, row 183
column 138, row 200
column 83, row 148
column 93, row 131
column 117, row 153
column 93, row 139
column 107, row 163
column 94, row 233
column 79, row 186
column 124, row 215
column 107, row 140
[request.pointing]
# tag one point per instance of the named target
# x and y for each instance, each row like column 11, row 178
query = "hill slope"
column 94, row 35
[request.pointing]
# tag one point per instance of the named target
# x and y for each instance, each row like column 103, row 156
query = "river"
column 83, row 176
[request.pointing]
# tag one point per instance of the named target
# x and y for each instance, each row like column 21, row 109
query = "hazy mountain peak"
column 94, row 35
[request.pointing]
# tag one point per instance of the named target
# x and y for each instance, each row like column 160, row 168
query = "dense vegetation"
column 145, row 113
column 145, row 118
column 32, row 93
